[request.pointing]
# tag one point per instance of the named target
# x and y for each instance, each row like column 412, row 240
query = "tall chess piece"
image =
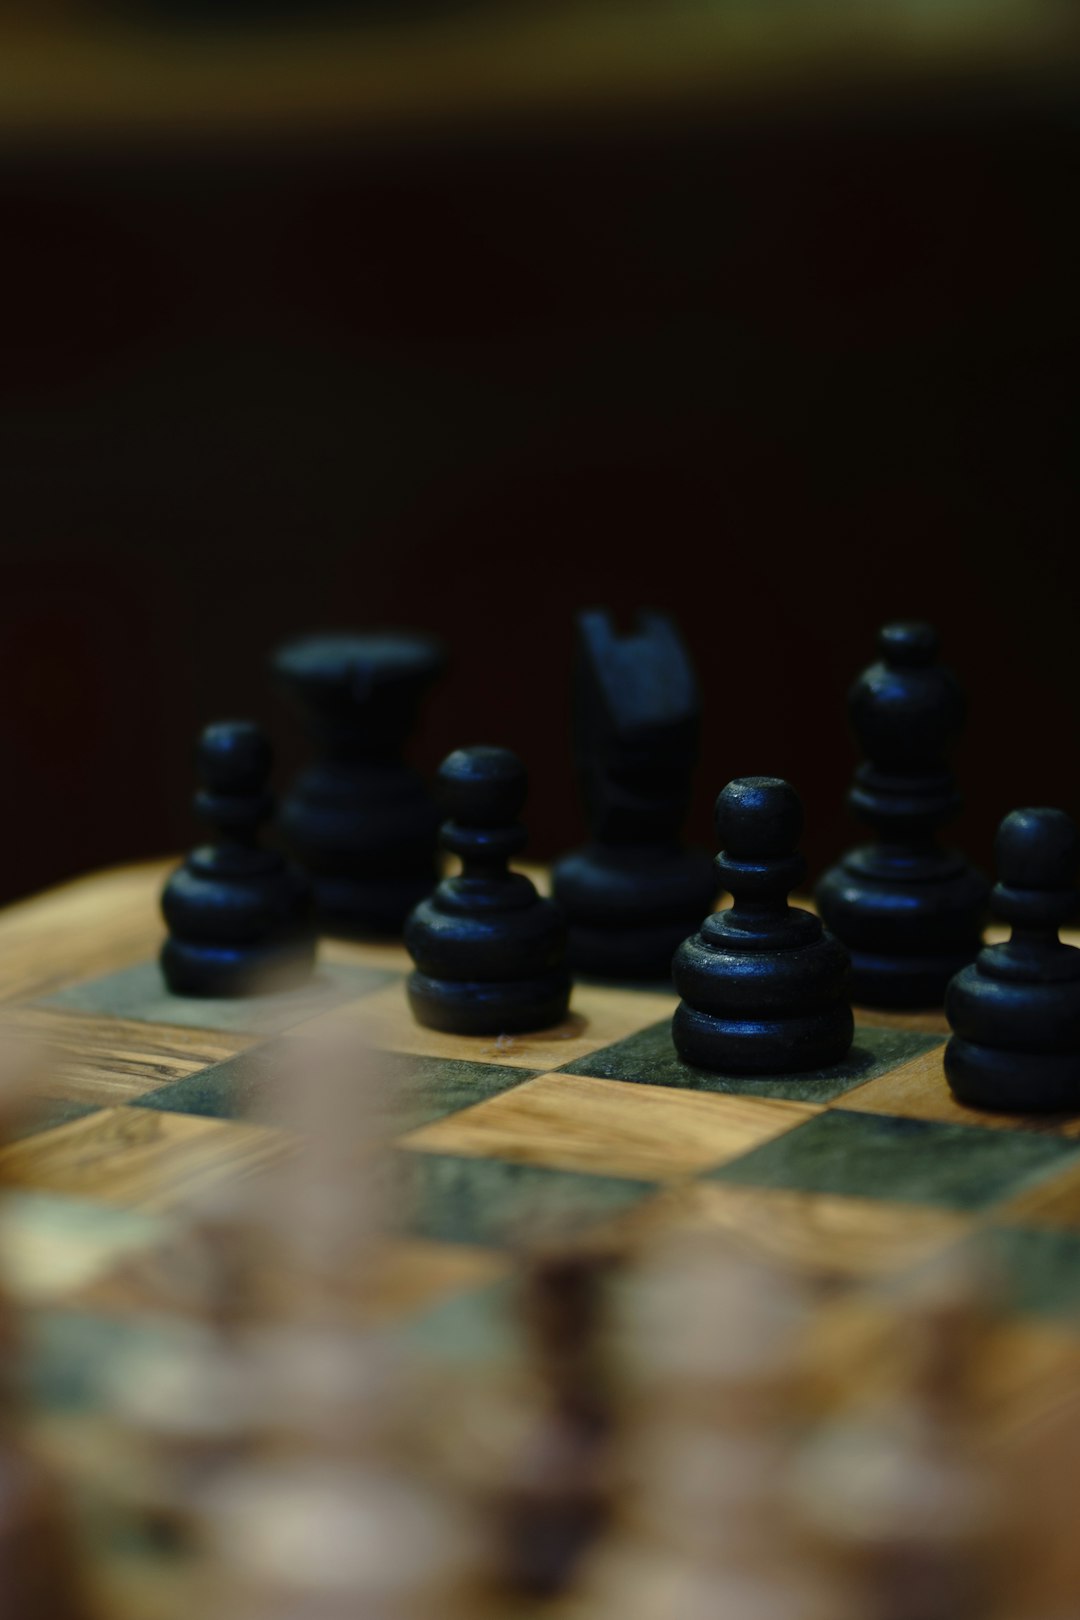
column 488, row 950
column 359, row 819
column 764, row 987
column 238, row 915
column 1015, row 1012
column 634, row 892
column 910, row 912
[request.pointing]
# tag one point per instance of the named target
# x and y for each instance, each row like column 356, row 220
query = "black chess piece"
column 763, row 986
column 910, row 912
column 1015, row 1011
column 488, row 950
column 556, row 1496
column 239, row 916
column 359, row 819
column 633, row 893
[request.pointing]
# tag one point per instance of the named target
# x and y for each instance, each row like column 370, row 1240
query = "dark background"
column 785, row 373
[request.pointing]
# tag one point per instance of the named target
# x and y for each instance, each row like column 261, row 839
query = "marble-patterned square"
column 1037, row 1271
column 649, row 1057
column 141, row 992
column 491, row 1204
column 405, row 1091
column 911, row 1160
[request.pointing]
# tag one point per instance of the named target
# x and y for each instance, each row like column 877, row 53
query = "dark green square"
column 414, row 1090
column 491, row 1203
column 140, row 992
column 1037, row 1271
column 649, row 1058
column 913, row 1160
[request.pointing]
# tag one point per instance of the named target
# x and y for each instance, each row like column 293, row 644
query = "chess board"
column 592, row 1131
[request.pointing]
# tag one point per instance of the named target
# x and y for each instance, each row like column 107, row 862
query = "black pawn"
column 238, row 915
column 764, row 987
column 358, row 818
column 634, row 892
column 910, row 912
column 488, row 950
column 1015, row 1012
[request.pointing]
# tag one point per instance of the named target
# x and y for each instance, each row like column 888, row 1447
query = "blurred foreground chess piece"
column 633, row 893
column 1015, row 1012
column 41, row 1573
column 763, row 986
column 359, row 819
column 910, row 912
column 903, row 1491
column 556, row 1497
column 488, row 950
column 238, row 915
column 715, row 1359
column 327, row 1514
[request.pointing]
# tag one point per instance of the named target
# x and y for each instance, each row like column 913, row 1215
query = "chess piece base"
column 483, row 1007
column 763, row 1046
column 1012, row 1082
column 198, row 968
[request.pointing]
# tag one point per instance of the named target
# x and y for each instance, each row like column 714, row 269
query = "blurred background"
column 466, row 316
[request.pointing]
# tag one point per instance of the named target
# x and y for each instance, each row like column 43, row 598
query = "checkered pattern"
column 593, row 1130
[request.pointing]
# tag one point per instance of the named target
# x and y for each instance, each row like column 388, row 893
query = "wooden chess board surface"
column 590, row 1132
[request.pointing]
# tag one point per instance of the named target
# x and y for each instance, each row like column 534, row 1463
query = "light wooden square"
column 821, row 1234
column 598, row 1017
column 610, row 1127
column 94, row 1058
column 142, row 1158
column 919, row 1090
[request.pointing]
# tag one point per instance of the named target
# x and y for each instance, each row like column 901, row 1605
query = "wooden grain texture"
column 92, row 926
column 919, row 1090
column 140, row 1158
column 819, row 1234
column 574, row 1123
column 95, row 1058
column 598, row 1017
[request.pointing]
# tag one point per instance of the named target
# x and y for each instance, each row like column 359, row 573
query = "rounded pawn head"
column 1037, row 849
column 758, row 818
column 908, row 644
column 483, row 786
column 234, row 757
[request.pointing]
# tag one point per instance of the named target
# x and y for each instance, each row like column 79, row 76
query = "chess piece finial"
column 763, row 985
column 488, row 950
column 359, row 819
column 634, row 892
column 910, row 912
column 237, row 914
column 1015, row 1012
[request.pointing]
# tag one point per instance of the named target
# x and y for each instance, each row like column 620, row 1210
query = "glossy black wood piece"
column 1015, row 1012
column 359, row 819
column 764, row 988
column 910, row 912
column 633, row 893
column 489, row 952
column 239, row 916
